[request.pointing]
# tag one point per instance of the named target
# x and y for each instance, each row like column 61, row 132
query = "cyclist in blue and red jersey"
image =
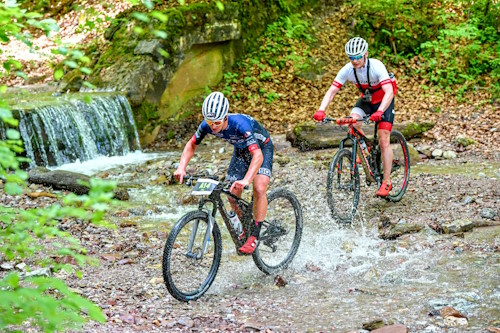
column 377, row 98
column 252, row 159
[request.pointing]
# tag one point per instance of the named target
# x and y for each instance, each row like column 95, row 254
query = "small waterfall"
column 72, row 129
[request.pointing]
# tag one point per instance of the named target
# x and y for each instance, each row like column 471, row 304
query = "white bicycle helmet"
column 215, row 106
column 356, row 46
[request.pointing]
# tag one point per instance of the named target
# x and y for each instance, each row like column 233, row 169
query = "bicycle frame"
column 218, row 205
column 354, row 135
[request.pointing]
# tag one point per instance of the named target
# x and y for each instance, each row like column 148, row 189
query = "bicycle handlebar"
column 348, row 120
column 188, row 181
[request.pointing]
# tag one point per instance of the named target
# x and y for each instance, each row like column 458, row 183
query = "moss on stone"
column 416, row 129
column 145, row 113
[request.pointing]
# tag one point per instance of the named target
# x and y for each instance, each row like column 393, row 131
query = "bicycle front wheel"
column 400, row 169
column 188, row 270
column 281, row 232
column 343, row 187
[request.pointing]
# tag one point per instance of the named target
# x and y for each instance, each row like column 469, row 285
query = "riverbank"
column 340, row 279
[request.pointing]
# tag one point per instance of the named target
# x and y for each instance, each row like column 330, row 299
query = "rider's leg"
column 384, row 137
column 358, row 113
column 384, row 132
column 260, row 183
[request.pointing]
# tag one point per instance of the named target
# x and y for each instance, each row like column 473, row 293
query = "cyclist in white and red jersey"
column 377, row 98
column 252, row 159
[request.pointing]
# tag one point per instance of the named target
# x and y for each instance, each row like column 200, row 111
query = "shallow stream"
column 341, row 277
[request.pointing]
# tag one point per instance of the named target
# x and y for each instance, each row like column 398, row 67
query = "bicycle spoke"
column 281, row 232
column 187, row 271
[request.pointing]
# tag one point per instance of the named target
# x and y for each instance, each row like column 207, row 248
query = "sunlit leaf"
column 87, row 98
column 13, row 188
column 159, row 16
column 141, row 16
column 12, row 134
column 88, row 85
column 71, row 63
column 86, row 70
column 220, row 6
column 160, row 34
column 138, row 30
column 58, row 73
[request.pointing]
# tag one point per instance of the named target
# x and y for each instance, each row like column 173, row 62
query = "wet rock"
column 374, row 324
column 394, row 231
column 488, row 213
column 449, row 311
column 437, row 153
column 463, row 140
column 279, row 281
column 397, row 328
column 449, row 155
column 425, row 150
column 461, row 225
column 452, row 321
column 6, row 266
column 39, row 272
column 469, row 200
column 128, row 223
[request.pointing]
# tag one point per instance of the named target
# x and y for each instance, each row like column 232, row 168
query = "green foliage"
column 33, row 236
column 281, row 45
column 458, row 42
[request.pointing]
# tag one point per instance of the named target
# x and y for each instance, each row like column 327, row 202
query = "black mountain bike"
column 192, row 252
column 343, row 182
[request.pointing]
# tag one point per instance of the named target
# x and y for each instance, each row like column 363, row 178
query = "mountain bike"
column 343, row 181
column 193, row 249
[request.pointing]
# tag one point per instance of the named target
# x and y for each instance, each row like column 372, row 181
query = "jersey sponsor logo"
column 265, row 172
column 260, row 137
column 253, row 147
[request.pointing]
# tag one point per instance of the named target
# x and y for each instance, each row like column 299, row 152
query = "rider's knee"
column 259, row 190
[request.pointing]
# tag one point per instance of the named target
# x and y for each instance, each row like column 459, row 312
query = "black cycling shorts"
column 241, row 161
column 369, row 109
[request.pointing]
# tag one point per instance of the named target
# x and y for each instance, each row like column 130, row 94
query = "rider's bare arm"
column 388, row 96
column 329, row 97
column 255, row 164
column 186, row 156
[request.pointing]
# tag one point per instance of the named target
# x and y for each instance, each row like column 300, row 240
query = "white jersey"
column 378, row 77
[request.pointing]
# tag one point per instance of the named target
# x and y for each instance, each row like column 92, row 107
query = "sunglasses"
column 356, row 57
column 216, row 123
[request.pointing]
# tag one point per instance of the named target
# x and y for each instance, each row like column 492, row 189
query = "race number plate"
column 204, row 186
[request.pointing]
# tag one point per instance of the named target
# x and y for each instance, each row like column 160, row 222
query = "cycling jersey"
column 242, row 131
column 378, row 77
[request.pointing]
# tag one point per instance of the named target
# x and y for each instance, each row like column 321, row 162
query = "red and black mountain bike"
column 343, row 182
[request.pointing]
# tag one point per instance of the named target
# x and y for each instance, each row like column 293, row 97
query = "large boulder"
column 67, row 180
column 313, row 135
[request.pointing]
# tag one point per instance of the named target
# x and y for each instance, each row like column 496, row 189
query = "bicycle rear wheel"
column 343, row 187
column 400, row 169
column 186, row 272
column 281, row 232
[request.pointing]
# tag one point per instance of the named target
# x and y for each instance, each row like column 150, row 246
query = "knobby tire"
column 176, row 264
column 281, row 232
column 343, row 187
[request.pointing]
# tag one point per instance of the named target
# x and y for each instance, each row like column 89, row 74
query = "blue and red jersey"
column 242, row 131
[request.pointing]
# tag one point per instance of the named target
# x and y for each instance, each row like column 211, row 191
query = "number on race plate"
column 204, row 186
